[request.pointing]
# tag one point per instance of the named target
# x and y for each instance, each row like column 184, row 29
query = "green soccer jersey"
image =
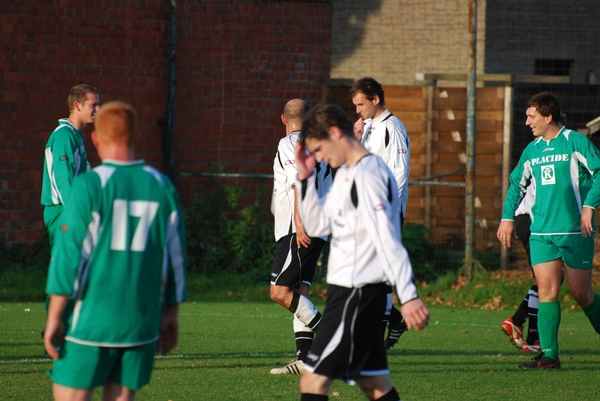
column 64, row 159
column 564, row 174
column 119, row 255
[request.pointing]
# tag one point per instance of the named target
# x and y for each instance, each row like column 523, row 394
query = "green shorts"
column 576, row 251
column 85, row 367
column 51, row 215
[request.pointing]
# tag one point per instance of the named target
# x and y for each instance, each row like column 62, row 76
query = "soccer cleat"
column 394, row 333
column 541, row 362
column 535, row 347
column 293, row 368
column 514, row 332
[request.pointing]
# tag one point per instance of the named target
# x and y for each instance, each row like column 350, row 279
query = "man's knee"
column 375, row 387
column 312, row 383
column 116, row 392
column 548, row 293
column 280, row 295
column 583, row 296
column 580, row 286
column 70, row 394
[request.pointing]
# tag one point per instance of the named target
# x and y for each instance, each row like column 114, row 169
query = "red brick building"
column 235, row 66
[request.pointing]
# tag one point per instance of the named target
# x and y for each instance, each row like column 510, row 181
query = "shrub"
column 23, row 271
column 223, row 238
column 429, row 261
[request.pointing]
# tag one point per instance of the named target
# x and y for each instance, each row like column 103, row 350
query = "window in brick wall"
column 553, row 67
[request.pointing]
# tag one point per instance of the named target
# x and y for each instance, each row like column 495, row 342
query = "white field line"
column 172, row 356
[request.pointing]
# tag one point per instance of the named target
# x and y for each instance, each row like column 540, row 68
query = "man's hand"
column 587, row 214
column 302, row 239
column 359, row 128
column 169, row 330
column 506, row 231
column 305, row 163
column 415, row 314
column 54, row 334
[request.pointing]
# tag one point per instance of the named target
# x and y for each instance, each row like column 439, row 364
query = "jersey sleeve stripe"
column 55, row 193
column 176, row 255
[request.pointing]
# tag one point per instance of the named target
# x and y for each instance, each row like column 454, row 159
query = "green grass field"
column 227, row 349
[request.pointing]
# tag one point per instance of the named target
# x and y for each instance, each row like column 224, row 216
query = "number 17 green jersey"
column 119, row 255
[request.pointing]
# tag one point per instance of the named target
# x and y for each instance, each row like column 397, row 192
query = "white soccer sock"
column 534, row 301
column 299, row 326
column 306, row 312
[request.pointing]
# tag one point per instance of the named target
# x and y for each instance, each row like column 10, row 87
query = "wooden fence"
column 435, row 118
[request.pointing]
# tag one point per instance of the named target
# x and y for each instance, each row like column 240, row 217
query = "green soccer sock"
column 548, row 322
column 592, row 311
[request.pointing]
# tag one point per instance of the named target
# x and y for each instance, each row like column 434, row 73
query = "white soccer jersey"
column 386, row 137
column 361, row 211
column 285, row 175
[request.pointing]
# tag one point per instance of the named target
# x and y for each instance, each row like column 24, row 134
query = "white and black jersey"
column 386, row 137
column 361, row 211
column 284, row 178
column 527, row 201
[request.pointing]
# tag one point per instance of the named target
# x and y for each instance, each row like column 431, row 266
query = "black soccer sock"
column 532, row 333
column 396, row 317
column 313, row 397
column 392, row 395
column 521, row 314
column 304, row 340
column 532, row 311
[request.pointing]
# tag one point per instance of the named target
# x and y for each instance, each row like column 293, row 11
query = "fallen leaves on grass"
column 493, row 303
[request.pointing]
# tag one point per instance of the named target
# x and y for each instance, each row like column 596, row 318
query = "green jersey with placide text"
column 564, row 174
column 119, row 255
column 64, row 159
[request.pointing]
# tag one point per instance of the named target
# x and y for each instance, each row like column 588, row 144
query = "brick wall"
column 237, row 64
column 392, row 40
column 524, row 31
column 236, row 68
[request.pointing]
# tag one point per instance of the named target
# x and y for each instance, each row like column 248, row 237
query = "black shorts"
column 293, row 267
column 349, row 343
column 522, row 224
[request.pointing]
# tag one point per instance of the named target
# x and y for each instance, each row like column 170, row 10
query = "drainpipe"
column 169, row 124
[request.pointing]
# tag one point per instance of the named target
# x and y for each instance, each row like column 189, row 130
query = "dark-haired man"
column 384, row 135
column 361, row 211
column 562, row 166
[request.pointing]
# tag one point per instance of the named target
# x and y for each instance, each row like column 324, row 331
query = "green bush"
column 428, row 261
column 37, row 256
column 221, row 237
column 23, row 271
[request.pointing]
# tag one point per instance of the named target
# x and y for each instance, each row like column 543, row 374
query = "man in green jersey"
column 64, row 155
column 117, row 273
column 563, row 167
